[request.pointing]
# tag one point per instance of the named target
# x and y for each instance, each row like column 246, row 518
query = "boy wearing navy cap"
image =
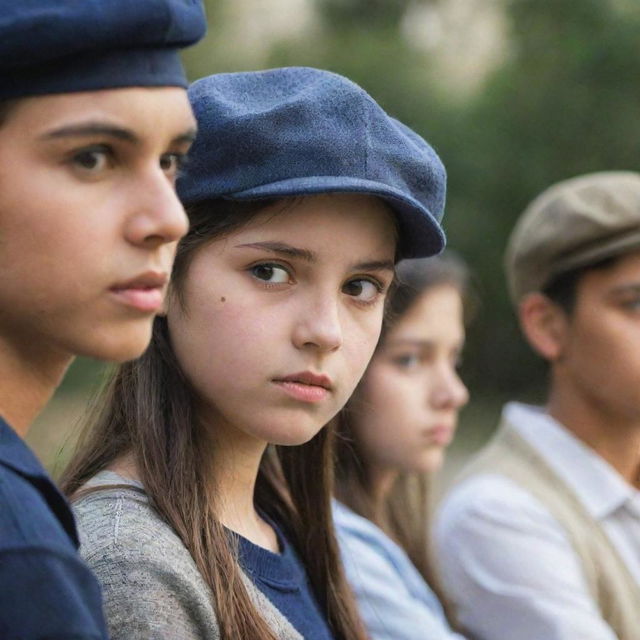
column 94, row 120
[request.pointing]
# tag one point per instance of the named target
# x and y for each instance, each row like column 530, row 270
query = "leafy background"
column 514, row 95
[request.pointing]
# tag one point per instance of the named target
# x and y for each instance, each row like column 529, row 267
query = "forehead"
column 437, row 310
column 622, row 273
column 152, row 109
column 356, row 222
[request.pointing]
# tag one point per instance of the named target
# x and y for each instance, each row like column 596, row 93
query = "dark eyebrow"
column 375, row 265
column 93, row 129
column 414, row 342
column 282, row 249
column 309, row 256
column 185, row 138
column 120, row 133
column 626, row 288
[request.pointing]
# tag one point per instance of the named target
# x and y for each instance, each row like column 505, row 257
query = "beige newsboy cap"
column 572, row 224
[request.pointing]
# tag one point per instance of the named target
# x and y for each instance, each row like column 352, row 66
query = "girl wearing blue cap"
column 203, row 488
column 94, row 119
column 391, row 439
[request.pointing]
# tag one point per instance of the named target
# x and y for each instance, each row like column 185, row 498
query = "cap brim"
column 615, row 247
column 420, row 234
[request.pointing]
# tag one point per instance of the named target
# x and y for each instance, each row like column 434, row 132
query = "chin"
column 288, row 437
column 118, row 346
column 431, row 461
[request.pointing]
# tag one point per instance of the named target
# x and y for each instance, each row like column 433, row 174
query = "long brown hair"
column 147, row 411
column 404, row 514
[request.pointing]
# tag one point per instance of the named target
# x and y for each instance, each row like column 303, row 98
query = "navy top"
column 46, row 591
column 283, row 579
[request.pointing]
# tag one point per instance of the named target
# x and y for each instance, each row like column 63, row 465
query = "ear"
column 544, row 324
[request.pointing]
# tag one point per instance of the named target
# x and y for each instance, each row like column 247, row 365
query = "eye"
column 632, row 304
column 92, row 159
column 172, row 163
column 271, row 273
column 363, row 289
column 407, row 360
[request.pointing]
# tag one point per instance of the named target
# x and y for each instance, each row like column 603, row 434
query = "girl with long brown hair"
column 391, row 438
column 203, row 490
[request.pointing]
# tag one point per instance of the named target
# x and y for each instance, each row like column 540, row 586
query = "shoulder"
column 119, row 516
column 120, row 526
column 394, row 600
column 150, row 582
column 52, row 592
column 364, row 544
column 490, row 525
column 27, row 519
column 490, row 498
column 351, row 526
column 372, row 558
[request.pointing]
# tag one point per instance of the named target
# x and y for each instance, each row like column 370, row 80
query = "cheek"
column 359, row 343
column 383, row 412
column 221, row 343
column 60, row 236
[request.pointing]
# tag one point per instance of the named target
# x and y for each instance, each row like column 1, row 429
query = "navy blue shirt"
column 46, row 591
column 282, row 578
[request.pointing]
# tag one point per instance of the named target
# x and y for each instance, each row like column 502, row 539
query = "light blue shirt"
column 394, row 600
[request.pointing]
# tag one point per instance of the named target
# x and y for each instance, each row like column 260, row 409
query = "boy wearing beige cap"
column 540, row 536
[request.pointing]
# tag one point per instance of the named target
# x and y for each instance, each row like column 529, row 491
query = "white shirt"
column 506, row 561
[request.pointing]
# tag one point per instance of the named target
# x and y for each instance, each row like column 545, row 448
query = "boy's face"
column 599, row 354
column 89, row 219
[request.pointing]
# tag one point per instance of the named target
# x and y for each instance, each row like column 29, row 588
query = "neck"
column 236, row 463
column 29, row 377
column 613, row 437
column 382, row 480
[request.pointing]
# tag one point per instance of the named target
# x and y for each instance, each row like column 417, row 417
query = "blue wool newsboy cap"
column 62, row 46
column 301, row 131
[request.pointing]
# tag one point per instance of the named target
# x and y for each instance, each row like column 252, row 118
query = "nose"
column 158, row 216
column 449, row 391
column 318, row 324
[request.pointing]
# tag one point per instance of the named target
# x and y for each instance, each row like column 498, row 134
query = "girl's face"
column 406, row 407
column 279, row 319
column 89, row 219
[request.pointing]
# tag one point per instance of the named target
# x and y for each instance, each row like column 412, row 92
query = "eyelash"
column 379, row 286
column 403, row 360
column 271, row 265
column 77, row 156
column 408, row 360
column 81, row 154
column 181, row 160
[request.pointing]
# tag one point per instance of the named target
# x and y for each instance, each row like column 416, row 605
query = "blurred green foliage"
column 564, row 100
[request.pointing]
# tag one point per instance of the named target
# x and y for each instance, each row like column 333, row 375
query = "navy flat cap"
column 301, row 131
column 61, row 46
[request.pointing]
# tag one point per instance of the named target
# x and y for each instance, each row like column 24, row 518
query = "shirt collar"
column 598, row 486
column 15, row 454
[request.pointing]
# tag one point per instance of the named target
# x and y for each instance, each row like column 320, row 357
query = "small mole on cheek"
column 223, row 299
